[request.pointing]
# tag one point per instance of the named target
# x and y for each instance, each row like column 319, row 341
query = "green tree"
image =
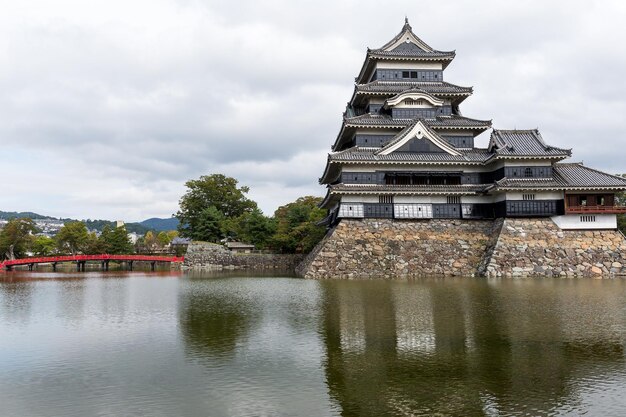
column 252, row 227
column 209, row 225
column 150, row 240
column 217, row 191
column 116, row 241
column 94, row 245
column 163, row 239
column 43, row 246
column 72, row 237
column 296, row 225
column 16, row 237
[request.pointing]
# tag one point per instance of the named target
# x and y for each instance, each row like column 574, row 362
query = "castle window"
column 528, row 197
column 600, row 200
column 405, row 74
column 582, row 200
column 409, row 102
column 385, row 199
column 528, row 172
column 587, row 219
column 453, row 199
column 413, row 74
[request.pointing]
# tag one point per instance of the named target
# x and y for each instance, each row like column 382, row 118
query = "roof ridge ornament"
column 407, row 25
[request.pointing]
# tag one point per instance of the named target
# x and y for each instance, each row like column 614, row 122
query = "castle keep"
column 405, row 153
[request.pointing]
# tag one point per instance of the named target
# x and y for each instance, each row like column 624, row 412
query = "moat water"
column 170, row 344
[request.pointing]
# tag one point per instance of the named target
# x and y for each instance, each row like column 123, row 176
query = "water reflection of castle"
column 456, row 347
column 468, row 348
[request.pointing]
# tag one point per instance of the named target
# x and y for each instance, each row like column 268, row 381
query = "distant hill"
column 160, row 224
column 8, row 215
column 140, row 228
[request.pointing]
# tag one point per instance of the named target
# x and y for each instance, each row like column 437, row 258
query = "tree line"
column 19, row 239
column 215, row 207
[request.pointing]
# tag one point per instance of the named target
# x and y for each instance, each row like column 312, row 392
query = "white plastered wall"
column 539, row 195
column 586, row 221
column 359, row 199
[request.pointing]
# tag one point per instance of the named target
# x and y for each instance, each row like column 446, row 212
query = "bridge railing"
column 85, row 258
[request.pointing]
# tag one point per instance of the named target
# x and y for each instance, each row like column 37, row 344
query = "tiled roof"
column 365, row 120
column 375, row 120
column 394, row 87
column 357, row 154
column 577, row 175
column 567, row 175
column 409, row 49
column 523, row 143
column 458, row 121
column 411, row 53
column 408, row 189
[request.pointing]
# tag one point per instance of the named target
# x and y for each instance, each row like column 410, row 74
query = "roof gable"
column 406, row 40
column 414, row 94
column 418, row 131
column 515, row 143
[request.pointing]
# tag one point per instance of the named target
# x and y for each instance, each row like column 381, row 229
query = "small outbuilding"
column 239, row 247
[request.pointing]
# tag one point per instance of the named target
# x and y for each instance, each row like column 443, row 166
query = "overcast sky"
column 108, row 107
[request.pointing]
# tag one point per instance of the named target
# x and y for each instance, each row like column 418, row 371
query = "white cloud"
column 109, row 106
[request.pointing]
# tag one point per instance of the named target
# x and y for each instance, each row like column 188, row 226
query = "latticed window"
column 385, row 199
column 528, row 197
column 454, row 199
column 528, row 172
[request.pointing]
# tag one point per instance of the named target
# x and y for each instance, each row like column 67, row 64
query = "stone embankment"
column 539, row 247
column 212, row 257
column 373, row 248
column 377, row 248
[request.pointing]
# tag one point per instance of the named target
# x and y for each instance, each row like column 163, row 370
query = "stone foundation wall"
column 212, row 257
column 377, row 248
column 373, row 248
column 539, row 247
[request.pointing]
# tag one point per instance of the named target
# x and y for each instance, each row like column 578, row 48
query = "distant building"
column 133, row 237
column 239, row 247
column 405, row 151
column 180, row 241
column 119, row 223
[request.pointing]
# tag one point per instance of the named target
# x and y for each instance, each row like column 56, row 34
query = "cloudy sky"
column 108, row 106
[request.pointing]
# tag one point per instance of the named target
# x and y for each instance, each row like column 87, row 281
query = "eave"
column 328, row 199
column 392, row 162
column 556, row 188
column 327, row 177
column 497, row 157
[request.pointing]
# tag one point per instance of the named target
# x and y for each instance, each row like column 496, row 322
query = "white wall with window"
column 586, row 221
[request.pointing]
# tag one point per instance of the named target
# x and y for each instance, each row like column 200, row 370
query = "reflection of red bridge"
column 81, row 260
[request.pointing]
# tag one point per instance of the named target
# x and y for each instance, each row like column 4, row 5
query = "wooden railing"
column 595, row 209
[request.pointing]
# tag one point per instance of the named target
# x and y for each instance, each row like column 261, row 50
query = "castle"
column 405, row 153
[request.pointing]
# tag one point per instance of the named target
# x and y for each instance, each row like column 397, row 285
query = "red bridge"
column 81, row 260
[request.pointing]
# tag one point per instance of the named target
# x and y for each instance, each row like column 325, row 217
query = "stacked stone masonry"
column 212, row 257
column 528, row 247
column 373, row 248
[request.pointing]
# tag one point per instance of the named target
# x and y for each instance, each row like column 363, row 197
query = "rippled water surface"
column 166, row 344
